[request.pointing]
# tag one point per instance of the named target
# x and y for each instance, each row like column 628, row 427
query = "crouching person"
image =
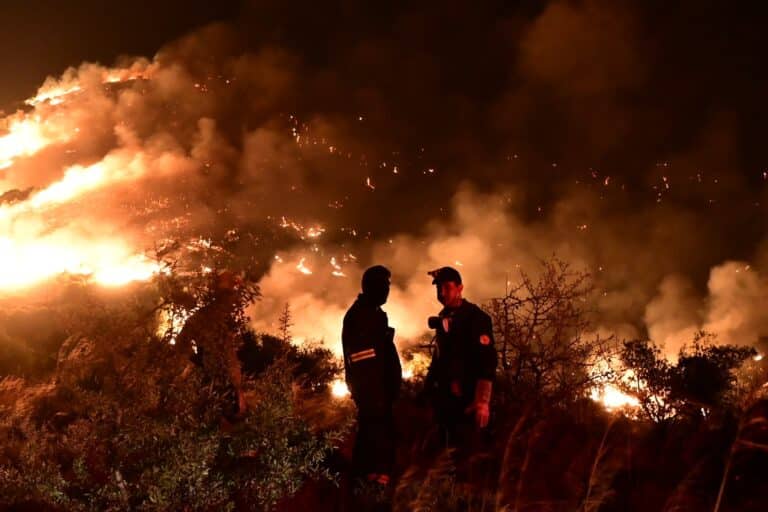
column 373, row 375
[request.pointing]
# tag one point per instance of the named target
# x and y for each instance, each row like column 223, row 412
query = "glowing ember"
column 339, row 389
column 301, row 267
column 613, row 398
column 170, row 323
column 416, row 366
column 315, row 232
column 337, row 270
column 758, row 357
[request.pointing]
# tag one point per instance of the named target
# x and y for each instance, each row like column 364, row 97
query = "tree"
column 704, row 376
column 702, row 379
column 649, row 378
column 285, row 324
column 542, row 329
column 127, row 424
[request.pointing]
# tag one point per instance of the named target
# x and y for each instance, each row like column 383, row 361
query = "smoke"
column 737, row 305
column 487, row 140
column 490, row 245
column 674, row 315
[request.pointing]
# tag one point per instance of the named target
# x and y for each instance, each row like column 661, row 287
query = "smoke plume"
column 487, row 139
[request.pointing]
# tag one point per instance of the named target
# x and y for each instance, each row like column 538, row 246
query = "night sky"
column 44, row 37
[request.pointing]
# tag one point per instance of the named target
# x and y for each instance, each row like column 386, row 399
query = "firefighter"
column 373, row 375
column 210, row 337
column 460, row 377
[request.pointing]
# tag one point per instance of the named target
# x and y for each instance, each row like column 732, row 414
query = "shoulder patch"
column 485, row 339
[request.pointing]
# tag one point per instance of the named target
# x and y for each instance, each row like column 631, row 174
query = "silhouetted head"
column 375, row 284
column 447, row 281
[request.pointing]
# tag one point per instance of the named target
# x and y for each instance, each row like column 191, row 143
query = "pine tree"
column 285, row 324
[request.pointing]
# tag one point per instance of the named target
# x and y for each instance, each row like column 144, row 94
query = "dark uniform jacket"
column 371, row 363
column 465, row 351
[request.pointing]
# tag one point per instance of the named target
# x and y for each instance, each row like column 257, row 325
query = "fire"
column 612, row 398
column 25, row 137
column 76, row 181
column 171, row 322
column 109, row 263
column 301, row 267
column 55, row 93
column 609, row 394
column 415, row 365
column 339, row 389
column 32, row 250
column 337, row 270
column 34, row 245
column 135, row 268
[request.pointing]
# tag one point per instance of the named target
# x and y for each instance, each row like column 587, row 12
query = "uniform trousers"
column 375, row 444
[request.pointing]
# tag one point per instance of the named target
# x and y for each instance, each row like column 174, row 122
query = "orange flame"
column 339, row 389
column 612, row 398
column 25, row 137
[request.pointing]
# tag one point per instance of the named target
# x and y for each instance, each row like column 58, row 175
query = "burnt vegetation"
column 106, row 414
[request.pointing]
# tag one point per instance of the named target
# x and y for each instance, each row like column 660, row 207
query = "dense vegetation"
column 99, row 411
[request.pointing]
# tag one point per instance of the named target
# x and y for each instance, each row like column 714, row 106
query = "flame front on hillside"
column 37, row 241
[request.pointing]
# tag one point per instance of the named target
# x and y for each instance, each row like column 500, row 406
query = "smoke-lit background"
column 626, row 140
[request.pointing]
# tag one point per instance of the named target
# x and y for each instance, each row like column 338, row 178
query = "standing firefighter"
column 460, row 377
column 211, row 338
column 373, row 375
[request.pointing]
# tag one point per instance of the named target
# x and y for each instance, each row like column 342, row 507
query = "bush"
column 127, row 424
column 702, row 380
column 547, row 350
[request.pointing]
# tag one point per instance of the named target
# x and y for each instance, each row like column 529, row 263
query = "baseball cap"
column 444, row 274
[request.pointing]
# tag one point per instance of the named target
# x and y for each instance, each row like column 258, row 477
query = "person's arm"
column 485, row 354
column 362, row 339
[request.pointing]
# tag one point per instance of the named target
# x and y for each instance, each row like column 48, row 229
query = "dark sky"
column 43, row 37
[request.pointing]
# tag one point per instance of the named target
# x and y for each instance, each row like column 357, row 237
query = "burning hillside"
column 600, row 188
column 106, row 168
